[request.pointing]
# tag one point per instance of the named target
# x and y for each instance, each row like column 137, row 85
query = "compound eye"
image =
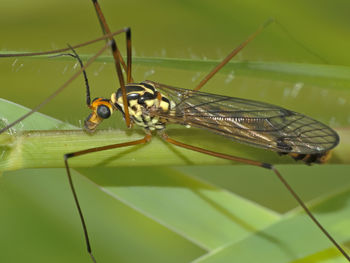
column 103, row 111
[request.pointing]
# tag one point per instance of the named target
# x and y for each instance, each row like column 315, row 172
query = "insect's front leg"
column 67, row 156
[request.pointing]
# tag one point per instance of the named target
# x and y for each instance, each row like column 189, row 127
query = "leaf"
column 280, row 242
column 42, row 221
column 11, row 111
column 46, row 148
column 168, row 203
column 161, row 194
column 314, row 74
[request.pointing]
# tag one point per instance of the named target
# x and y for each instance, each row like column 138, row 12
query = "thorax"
column 147, row 107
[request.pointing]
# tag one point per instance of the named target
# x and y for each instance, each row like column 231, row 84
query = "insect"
column 153, row 105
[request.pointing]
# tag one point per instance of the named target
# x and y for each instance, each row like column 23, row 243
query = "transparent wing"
column 256, row 123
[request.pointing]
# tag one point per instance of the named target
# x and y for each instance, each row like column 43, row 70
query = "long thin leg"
column 146, row 139
column 267, row 166
column 105, row 29
column 128, row 56
column 232, row 54
column 299, row 43
column 107, row 36
column 59, row 90
column 118, row 59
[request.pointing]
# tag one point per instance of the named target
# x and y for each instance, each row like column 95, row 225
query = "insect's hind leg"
column 67, row 156
column 232, row 54
column 267, row 166
column 249, row 39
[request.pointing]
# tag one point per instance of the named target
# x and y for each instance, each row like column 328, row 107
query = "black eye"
column 103, row 111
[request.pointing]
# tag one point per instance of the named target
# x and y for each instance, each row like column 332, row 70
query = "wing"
column 255, row 123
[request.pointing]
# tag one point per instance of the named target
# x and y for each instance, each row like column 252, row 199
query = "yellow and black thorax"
column 145, row 104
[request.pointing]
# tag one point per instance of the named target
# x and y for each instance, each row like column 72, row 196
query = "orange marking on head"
column 99, row 102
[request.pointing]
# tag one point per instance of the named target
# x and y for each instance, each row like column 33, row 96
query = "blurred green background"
column 40, row 223
column 196, row 30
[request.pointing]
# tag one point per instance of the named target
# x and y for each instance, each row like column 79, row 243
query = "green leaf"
column 41, row 221
column 160, row 193
column 11, row 111
column 314, row 74
column 281, row 242
column 170, row 203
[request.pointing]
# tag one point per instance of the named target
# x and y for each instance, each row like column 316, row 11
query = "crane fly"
column 153, row 105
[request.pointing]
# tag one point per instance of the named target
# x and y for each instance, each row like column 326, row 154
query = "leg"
column 106, row 30
column 267, row 166
column 232, row 54
column 121, row 82
column 53, row 95
column 107, row 36
column 118, row 59
column 59, row 90
column 243, row 44
column 146, row 139
column 117, row 63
